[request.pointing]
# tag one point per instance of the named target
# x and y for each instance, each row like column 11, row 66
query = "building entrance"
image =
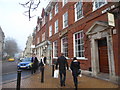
column 103, row 56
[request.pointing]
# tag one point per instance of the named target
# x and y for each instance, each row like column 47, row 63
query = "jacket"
column 34, row 60
column 62, row 62
column 42, row 62
column 75, row 66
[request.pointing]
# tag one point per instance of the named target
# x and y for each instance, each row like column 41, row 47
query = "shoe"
column 42, row 82
column 64, row 84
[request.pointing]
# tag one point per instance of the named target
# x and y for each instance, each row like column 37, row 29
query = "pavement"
column 33, row 81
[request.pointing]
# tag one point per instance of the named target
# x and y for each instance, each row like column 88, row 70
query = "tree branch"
column 31, row 5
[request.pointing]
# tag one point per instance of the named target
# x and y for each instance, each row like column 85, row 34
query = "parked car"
column 25, row 64
column 11, row 59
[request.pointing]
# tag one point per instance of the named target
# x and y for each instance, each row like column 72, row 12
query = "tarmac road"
column 9, row 72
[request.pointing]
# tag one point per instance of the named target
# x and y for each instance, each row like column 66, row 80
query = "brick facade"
column 90, row 21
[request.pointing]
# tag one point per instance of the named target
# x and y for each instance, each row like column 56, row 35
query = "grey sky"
column 14, row 24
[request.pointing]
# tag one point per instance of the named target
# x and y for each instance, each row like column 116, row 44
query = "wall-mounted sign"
column 63, row 33
column 111, row 20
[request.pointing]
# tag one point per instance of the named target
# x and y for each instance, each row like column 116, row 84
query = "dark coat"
column 75, row 66
column 45, row 59
column 35, row 62
column 62, row 62
column 42, row 61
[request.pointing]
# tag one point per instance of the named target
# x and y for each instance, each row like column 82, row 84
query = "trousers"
column 42, row 73
column 75, row 79
column 62, row 77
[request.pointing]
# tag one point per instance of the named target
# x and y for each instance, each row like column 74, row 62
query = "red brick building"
column 82, row 30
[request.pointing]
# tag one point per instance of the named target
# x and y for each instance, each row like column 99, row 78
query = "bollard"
column 53, row 70
column 18, row 79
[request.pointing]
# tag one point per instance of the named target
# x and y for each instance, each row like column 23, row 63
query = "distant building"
column 28, row 49
column 2, row 36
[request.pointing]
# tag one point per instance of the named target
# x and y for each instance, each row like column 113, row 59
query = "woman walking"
column 75, row 67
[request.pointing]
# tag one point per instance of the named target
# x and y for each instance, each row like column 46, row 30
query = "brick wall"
column 84, row 24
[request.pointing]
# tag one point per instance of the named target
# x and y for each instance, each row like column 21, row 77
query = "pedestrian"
column 45, row 60
column 34, row 60
column 42, row 66
column 62, row 62
column 75, row 67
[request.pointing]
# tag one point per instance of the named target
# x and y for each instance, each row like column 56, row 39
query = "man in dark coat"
column 34, row 60
column 62, row 62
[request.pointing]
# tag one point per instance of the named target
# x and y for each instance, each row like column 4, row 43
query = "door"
column 103, row 55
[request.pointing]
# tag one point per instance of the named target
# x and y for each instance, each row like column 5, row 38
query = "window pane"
column 65, row 46
column 55, row 49
column 79, row 44
column 79, row 9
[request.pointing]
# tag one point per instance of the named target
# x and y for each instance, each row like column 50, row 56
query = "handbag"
column 56, row 72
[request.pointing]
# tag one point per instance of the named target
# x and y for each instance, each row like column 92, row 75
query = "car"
column 11, row 59
column 25, row 64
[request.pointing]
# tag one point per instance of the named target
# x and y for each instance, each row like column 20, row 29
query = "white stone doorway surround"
column 98, row 31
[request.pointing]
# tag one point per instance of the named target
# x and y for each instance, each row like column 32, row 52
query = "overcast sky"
column 16, row 25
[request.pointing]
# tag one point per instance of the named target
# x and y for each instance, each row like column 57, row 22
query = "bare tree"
column 11, row 47
column 31, row 5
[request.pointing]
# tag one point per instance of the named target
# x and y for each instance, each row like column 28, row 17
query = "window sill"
column 55, row 57
column 82, row 58
column 79, row 19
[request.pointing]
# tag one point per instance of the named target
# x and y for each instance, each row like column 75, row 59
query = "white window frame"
column 38, row 27
column 43, row 36
column 50, row 30
column 56, row 8
column 43, row 21
column 38, row 40
column 55, row 51
column 62, row 47
column 82, row 58
column 50, row 15
column 97, row 1
column 64, row 2
column 65, row 19
column 56, row 26
column 76, row 19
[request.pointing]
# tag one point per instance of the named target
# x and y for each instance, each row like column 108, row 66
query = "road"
column 9, row 72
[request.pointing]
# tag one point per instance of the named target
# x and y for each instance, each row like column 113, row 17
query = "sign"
column 63, row 33
column 111, row 20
